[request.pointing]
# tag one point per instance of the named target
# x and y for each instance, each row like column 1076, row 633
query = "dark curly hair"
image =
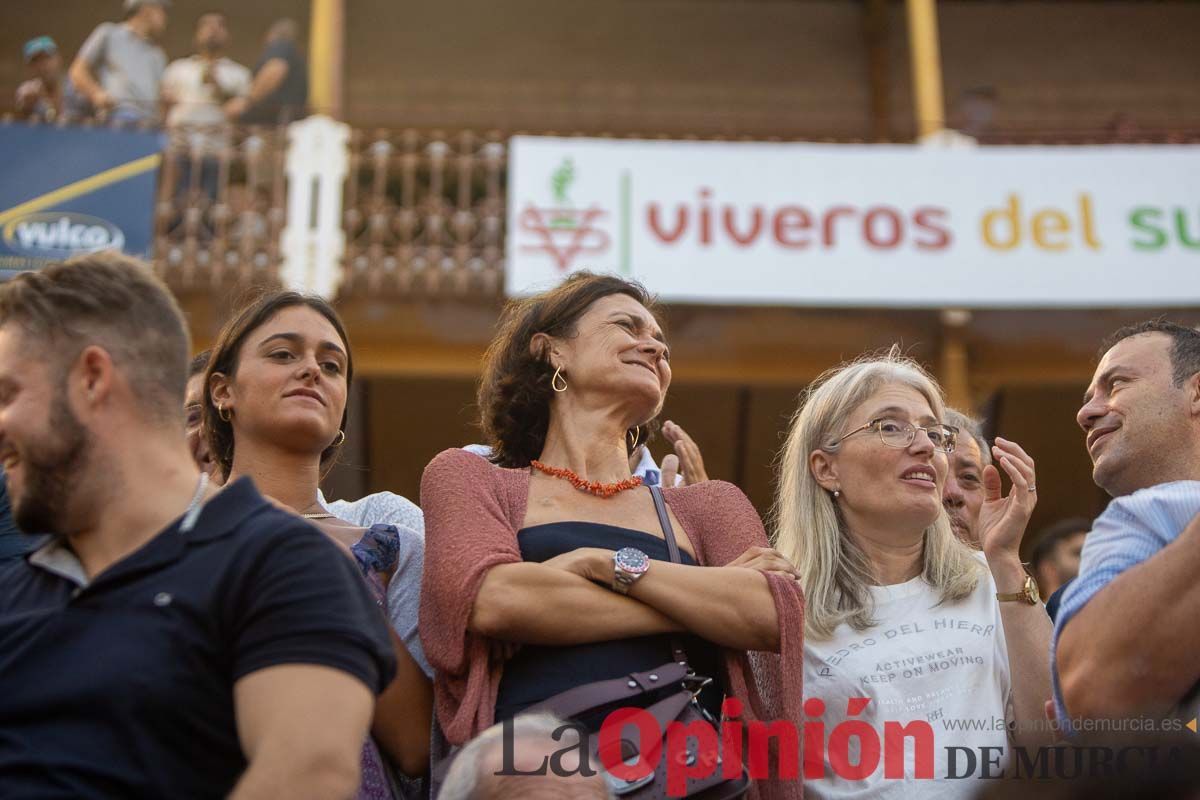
column 223, row 358
column 514, row 389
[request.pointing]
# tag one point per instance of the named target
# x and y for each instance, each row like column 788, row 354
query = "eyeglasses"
column 894, row 433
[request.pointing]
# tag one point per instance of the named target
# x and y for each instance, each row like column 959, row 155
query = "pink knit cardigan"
column 473, row 510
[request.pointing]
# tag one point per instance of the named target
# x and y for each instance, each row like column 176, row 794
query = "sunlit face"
column 1134, row 418
column 290, row 386
column 890, row 487
column 212, row 33
column 44, row 448
column 963, row 494
column 193, row 405
column 618, row 352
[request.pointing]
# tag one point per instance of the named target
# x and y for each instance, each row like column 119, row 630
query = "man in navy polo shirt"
column 166, row 639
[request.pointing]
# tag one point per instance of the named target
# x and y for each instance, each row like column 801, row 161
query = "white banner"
column 860, row 225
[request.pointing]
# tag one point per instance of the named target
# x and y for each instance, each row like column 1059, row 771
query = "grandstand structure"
column 432, row 91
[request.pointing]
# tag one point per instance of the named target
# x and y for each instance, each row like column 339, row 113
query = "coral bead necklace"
column 592, row 487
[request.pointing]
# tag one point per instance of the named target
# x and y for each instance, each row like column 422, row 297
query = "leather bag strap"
column 583, row 698
column 664, row 519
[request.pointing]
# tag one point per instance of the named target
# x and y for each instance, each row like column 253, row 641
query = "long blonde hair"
column 808, row 527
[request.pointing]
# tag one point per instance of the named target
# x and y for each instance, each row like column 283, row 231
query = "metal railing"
column 221, row 207
column 424, row 214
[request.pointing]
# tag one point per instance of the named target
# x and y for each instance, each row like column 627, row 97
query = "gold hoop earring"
column 224, row 413
column 637, row 437
column 558, row 377
column 341, row 439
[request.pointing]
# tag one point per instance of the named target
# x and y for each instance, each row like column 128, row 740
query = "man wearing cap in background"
column 41, row 97
column 120, row 66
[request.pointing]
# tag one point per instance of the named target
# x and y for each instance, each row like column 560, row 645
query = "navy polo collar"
column 218, row 517
column 57, row 559
column 222, row 514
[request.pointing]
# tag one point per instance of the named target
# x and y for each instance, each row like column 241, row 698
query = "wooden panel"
column 411, row 421
column 771, row 408
column 709, row 415
column 1042, row 420
column 677, row 66
column 1063, row 65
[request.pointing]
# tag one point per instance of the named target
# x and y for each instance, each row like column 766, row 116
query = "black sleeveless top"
column 538, row 672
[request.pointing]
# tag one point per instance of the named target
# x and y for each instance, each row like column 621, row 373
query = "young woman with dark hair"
column 275, row 409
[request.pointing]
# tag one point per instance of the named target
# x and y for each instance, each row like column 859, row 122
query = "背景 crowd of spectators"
column 122, row 76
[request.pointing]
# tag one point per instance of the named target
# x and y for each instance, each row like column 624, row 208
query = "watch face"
column 1031, row 590
column 632, row 560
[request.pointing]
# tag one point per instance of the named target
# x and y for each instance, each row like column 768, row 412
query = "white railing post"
column 312, row 242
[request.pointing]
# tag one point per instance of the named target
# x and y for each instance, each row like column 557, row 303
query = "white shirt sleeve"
column 171, row 81
column 240, row 81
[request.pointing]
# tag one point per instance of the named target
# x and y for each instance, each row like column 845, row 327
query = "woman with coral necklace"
column 548, row 568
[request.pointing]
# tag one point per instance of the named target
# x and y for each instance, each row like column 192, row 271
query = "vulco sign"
column 61, row 234
column 805, row 224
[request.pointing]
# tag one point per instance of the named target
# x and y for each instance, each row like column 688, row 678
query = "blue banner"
column 67, row 191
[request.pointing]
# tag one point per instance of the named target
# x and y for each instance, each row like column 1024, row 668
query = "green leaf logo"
column 561, row 180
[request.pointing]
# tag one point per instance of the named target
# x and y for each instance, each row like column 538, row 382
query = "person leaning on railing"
column 118, row 69
column 40, row 98
column 279, row 91
column 197, row 93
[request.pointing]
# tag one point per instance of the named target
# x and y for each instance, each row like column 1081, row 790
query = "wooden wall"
column 1060, row 65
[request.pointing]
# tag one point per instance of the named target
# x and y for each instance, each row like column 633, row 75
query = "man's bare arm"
column 302, row 728
column 266, row 81
column 81, row 75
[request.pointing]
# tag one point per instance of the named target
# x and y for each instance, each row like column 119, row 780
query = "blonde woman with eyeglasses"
column 935, row 636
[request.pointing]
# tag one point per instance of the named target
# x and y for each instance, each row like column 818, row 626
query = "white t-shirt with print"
column 196, row 117
column 946, row 665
